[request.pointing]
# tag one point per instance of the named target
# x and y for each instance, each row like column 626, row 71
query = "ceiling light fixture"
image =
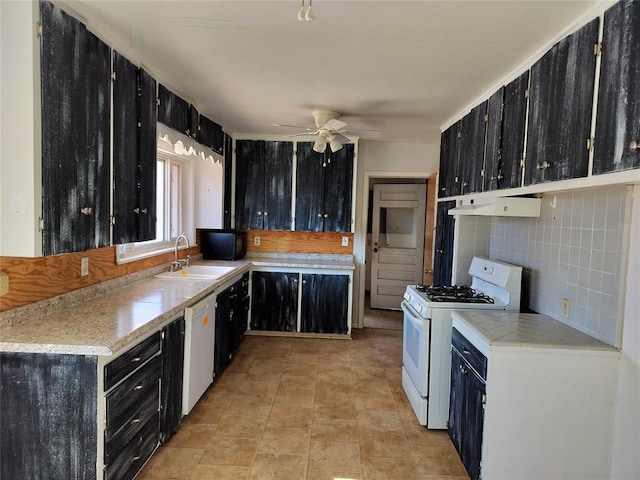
column 307, row 14
column 320, row 144
column 334, row 144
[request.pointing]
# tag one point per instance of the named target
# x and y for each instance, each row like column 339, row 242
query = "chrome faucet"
column 178, row 264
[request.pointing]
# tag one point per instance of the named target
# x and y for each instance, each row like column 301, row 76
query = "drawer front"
column 122, row 430
column 129, row 361
column 470, row 353
column 133, row 390
column 133, row 456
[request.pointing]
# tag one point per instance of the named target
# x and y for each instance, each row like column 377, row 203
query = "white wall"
column 208, row 194
column 400, row 160
column 20, row 124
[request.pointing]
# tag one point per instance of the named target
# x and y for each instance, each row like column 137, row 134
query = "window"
column 174, row 206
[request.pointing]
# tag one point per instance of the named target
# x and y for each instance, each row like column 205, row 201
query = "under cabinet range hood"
column 499, row 207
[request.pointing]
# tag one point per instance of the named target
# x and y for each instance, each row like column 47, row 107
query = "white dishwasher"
column 198, row 351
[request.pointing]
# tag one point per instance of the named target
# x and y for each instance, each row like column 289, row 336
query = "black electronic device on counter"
column 218, row 244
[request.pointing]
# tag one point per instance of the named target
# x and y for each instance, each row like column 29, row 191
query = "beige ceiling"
column 402, row 67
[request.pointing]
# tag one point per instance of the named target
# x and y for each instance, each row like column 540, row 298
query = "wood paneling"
column 298, row 242
column 35, row 279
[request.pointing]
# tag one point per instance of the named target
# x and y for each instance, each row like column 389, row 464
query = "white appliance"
column 426, row 345
column 199, row 351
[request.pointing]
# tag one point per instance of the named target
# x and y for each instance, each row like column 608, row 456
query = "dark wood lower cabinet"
column 466, row 407
column 48, row 425
column 232, row 311
column 274, row 301
column 172, row 377
column 325, row 303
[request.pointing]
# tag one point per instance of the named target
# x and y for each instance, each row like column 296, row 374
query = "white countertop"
column 488, row 329
column 102, row 323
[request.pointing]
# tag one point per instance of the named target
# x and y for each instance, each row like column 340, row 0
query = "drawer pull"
column 134, row 421
column 466, row 352
column 136, row 359
column 135, row 459
column 138, row 387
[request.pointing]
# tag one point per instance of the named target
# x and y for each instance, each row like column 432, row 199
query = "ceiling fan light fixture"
column 335, row 145
column 320, row 145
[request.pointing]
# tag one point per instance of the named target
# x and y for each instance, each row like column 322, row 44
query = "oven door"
column 415, row 349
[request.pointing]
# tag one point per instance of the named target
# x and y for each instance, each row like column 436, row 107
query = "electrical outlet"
column 345, row 241
column 256, row 240
column 565, row 307
column 4, row 283
column 84, row 266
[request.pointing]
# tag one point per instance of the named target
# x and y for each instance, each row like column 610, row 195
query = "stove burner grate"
column 453, row 293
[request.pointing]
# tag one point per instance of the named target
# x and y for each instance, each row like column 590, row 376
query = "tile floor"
column 295, row 409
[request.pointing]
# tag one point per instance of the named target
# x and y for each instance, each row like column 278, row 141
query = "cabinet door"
column 471, row 154
column 278, row 167
column 274, row 301
column 228, row 160
column 222, row 352
column 560, row 108
column 493, row 145
column 310, row 167
column 449, row 161
column 514, row 119
column 474, row 423
column 338, row 186
column 125, row 150
column 49, row 413
column 194, row 122
column 325, row 300
column 172, row 377
column 443, row 254
column 173, row 111
column 75, row 68
column 618, row 118
column 249, row 184
column 146, row 209
column 456, row 402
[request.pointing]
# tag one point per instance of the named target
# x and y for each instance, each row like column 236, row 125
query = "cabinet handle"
column 134, row 421
column 466, row 352
column 266, row 213
column 136, row 359
column 86, row 210
column 463, row 370
column 135, row 459
column 136, row 210
column 319, row 215
column 259, row 214
column 326, row 215
column 634, row 146
column 138, row 387
column 543, row 166
column 144, row 210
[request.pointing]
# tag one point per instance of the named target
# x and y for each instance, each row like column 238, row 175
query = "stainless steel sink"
column 197, row 272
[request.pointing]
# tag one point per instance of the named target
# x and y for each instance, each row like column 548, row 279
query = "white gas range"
column 426, row 346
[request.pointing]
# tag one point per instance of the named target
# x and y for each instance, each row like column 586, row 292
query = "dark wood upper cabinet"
column 560, row 108
column 449, row 180
column 211, row 135
column 618, row 117
column 493, row 146
column 194, row 122
column 228, row 161
column 514, row 119
column 263, row 184
column 75, row 88
column 134, row 148
column 471, row 151
column 324, row 185
column 173, row 111
column 443, row 248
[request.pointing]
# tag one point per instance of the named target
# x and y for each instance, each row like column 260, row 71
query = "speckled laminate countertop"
column 99, row 321
column 488, row 329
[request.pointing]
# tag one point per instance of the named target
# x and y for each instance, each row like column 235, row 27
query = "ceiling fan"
column 330, row 131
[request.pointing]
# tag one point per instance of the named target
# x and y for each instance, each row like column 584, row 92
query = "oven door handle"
column 409, row 312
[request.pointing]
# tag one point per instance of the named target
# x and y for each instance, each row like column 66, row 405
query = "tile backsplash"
column 577, row 250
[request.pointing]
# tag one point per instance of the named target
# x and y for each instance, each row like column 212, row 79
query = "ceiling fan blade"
column 366, row 133
column 293, row 126
column 302, row 134
column 341, row 138
column 334, row 124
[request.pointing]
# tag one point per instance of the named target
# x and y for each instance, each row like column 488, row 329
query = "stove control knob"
column 418, row 308
column 406, row 296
